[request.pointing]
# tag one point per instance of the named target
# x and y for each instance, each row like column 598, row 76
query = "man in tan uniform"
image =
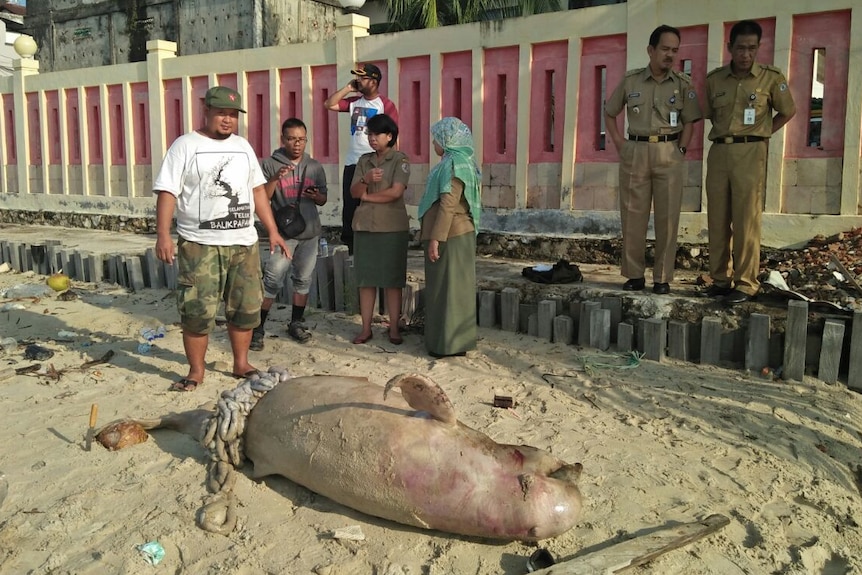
column 740, row 99
column 661, row 106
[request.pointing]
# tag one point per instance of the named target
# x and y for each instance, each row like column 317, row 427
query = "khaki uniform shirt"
column 650, row 103
column 391, row 216
column 727, row 98
column 449, row 216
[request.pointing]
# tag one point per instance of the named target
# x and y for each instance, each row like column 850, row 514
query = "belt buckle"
column 728, row 139
column 652, row 139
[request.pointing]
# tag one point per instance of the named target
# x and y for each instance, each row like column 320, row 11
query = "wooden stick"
column 639, row 550
column 94, row 412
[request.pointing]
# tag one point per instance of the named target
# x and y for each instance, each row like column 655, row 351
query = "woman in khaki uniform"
column 449, row 212
column 380, row 225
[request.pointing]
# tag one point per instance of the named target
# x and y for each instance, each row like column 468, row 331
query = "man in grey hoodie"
column 292, row 177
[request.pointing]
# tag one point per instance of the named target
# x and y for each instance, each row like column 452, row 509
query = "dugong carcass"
column 404, row 457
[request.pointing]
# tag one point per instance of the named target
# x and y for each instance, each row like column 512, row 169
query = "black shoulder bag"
column 289, row 218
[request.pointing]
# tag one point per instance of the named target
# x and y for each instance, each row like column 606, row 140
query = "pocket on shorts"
column 188, row 255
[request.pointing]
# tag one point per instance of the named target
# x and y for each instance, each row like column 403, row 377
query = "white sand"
column 660, row 443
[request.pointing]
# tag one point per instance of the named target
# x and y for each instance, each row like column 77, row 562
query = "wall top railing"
column 531, row 88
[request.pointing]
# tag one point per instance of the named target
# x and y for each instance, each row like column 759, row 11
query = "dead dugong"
column 407, row 458
column 400, row 456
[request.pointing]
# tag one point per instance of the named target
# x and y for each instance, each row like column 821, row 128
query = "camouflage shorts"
column 211, row 274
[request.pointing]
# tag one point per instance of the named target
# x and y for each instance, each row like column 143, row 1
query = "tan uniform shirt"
column 391, row 216
column 449, row 216
column 729, row 99
column 652, row 105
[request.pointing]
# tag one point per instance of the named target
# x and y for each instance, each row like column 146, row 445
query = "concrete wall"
column 74, row 34
column 91, row 140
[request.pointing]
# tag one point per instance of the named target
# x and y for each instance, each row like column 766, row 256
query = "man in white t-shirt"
column 212, row 179
column 361, row 107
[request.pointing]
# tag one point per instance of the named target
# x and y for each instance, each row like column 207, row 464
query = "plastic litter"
column 351, row 533
column 4, row 488
column 12, row 306
column 153, row 552
column 9, row 344
column 65, row 333
column 27, row 290
column 37, row 352
column 540, row 559
column 150, row 334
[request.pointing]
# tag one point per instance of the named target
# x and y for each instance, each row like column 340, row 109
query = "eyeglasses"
column 292, row 139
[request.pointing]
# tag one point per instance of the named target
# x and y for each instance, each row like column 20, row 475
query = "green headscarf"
column 458, row 161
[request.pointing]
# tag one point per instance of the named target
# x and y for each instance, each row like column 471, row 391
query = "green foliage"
column 415, row 14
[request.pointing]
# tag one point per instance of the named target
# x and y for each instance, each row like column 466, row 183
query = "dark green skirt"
column 450, row 296
column 380, row 259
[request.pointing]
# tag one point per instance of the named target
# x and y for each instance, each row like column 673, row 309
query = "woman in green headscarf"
column 449, row 213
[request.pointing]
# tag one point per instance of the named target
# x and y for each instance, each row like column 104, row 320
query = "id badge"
column 748, row 117
column 674, row 118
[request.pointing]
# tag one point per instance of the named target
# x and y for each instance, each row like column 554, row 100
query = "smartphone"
column 355, row 84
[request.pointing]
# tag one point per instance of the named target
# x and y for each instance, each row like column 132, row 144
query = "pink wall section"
column 52, row 104
column 9, row 118
column 693, row 48
column 140, row 123
column 94, row 124
column 257, row 106
column 457, row 86
column 200, row 85
column 74, row 131
column 173, row 110
column 548, row 98
column 117, row 125
column 831, row 31
column 290, row 81
column 500, row 106
column 324, row 142
column 33, row 128
column 608, row 53
column 414, row 78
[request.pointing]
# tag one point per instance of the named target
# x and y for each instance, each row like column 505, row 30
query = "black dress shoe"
column 736, row 296
column 715, row 291
column 661, row 288
column 634, row 285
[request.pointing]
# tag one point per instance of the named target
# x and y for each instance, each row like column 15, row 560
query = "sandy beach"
column 660, row 444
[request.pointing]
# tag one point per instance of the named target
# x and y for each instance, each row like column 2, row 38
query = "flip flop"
column 396, row 339
column 184, row 384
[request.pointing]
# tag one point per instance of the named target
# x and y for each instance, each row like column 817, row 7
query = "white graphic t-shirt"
column 213, row 181
column 361, row 110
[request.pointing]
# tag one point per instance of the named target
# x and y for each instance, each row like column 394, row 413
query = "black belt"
column 738, row 139
column 654, row 139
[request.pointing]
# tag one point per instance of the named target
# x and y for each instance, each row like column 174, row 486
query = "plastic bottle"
column 323, row 251
column 150, row 335
column 8, row 344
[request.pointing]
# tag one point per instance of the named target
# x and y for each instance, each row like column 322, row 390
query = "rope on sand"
column 597, row 361
column 223, row 438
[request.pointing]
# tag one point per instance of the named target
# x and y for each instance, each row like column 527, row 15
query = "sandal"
column 395, row 339
column 184, row 384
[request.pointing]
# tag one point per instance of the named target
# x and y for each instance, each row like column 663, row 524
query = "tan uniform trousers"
column 735, row 182
column 651, row 174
